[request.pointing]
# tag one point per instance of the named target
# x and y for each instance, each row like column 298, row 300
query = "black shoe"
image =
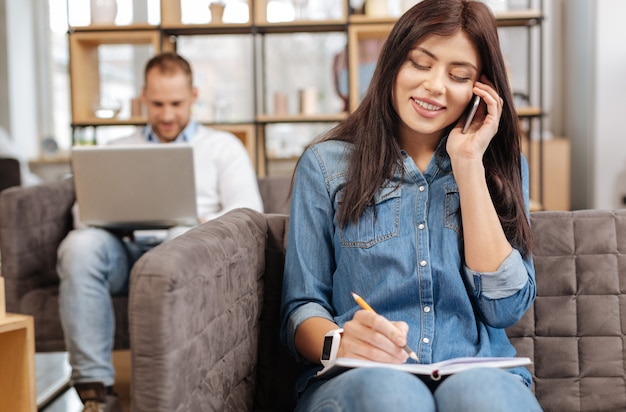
column 97, row 398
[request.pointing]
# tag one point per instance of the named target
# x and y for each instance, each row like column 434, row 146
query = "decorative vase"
column 376, row 8
column 103, row 11
column 217, row 11
column 357, row 6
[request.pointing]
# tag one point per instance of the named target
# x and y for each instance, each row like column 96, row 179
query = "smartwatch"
column 331, row 346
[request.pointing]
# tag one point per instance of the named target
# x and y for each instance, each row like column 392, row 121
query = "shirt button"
column 423, row 263
column 426, row 309
column 422, row 188
column 426, row 340
column 421, row 226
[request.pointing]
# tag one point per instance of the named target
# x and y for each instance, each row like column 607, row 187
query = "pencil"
column 364, row 305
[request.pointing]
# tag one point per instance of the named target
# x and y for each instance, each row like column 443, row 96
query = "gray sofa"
column 33, row 221
column 203, row 308
column 204, row 316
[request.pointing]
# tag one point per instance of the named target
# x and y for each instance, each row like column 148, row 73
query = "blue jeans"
column 92, row 264
column 380, row 389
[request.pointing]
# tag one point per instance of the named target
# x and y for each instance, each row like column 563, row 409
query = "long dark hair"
column 372, row 128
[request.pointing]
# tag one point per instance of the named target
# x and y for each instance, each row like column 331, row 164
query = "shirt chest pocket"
column 452, row 212
column 378, row 223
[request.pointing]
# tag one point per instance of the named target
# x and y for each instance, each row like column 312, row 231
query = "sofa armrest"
column 194, row 313
column 33, row 222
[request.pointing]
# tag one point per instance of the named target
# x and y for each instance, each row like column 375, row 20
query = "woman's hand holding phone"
column 472, row 134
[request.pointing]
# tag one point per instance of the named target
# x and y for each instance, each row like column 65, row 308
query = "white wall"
column 20, row 109
column 594, row 100
column 578, row 84
column 4, row 81
column 609, row 128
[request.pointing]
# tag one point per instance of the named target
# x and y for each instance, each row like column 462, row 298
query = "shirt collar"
column 440, row 162
column 184, row 137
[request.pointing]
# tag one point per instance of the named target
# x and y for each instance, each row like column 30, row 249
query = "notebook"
column 145, row 186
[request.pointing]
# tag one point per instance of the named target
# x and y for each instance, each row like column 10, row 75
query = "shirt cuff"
column 507, row 280
column 304, row 312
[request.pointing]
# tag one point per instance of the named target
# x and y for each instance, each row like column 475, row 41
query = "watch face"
column 328, row 343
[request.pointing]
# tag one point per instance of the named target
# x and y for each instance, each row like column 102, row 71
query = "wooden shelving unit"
column 17, row 357
column 85, row 65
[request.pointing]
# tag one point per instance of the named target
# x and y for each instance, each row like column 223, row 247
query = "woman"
column 426, row 223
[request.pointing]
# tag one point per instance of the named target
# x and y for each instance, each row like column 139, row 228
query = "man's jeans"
column 93, row 264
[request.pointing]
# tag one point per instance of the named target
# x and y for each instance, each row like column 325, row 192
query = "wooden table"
column 17, row 364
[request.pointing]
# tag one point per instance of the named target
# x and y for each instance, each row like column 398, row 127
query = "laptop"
column 135, row 187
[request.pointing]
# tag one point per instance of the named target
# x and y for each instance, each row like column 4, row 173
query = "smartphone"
column 470, row 113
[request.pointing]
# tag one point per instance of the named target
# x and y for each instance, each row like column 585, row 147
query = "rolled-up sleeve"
column 507, row 280
column 505, row 295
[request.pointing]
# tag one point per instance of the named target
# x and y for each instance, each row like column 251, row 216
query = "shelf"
column 363, row 19
column 135, row 121
column 283, row 158
column 529, row 111
column 211, row 28
column 316, row 118
column 58, row 158
column 268, row 119
column 519, row 18
column 504, row 19
column 112, row 28
column 265, row 118
column 302, row 26
column 94, row 38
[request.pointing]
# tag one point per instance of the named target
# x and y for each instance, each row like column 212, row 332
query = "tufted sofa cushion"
column 575, row 330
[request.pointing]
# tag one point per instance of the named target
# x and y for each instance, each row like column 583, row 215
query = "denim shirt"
column 405, row 258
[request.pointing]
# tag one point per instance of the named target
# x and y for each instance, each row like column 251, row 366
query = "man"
column 94, row 263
